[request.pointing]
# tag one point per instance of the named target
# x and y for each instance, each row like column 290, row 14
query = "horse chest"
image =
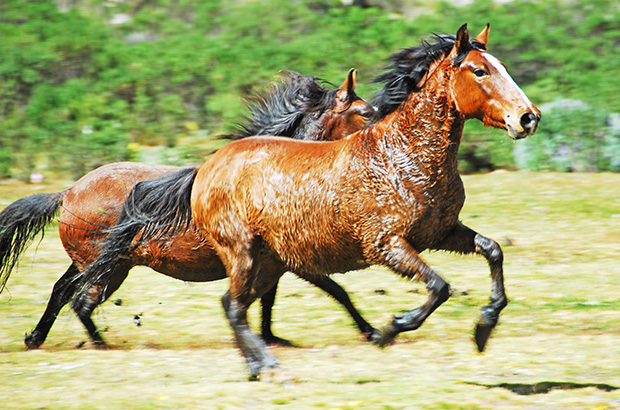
column 436, row 212
column 420, row 206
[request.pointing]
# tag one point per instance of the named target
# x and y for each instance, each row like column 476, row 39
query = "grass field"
column 561, row 239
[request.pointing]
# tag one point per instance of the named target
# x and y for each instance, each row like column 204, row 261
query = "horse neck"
column 426, row 128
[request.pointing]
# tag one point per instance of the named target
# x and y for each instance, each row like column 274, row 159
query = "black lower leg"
column 405, row 260
column 61, row 295
column 267, row 301
column 439, row 292
column 257, row 356
column 337, row 292
column 489, row 314
column 84, row 306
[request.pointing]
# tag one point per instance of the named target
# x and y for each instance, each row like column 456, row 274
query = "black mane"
column 285, row 107
column 406, row 68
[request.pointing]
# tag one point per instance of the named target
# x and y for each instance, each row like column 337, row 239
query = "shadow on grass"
column 526, row 389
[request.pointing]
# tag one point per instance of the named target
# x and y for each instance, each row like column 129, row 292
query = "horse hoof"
column 100, row 345
column 31, row 343
column 481, row 335
column 383, row 337
column 372, row 335
column 278, row 375
column 275, row 341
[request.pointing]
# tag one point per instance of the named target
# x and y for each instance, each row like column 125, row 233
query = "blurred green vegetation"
column 86, row 82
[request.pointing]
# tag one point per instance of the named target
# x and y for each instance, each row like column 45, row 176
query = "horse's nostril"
column 528, row 120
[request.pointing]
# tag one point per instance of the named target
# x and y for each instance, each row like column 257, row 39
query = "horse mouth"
column 512, row 133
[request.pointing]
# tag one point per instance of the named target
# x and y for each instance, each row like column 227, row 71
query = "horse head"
column 483, row 89
column 350, row 113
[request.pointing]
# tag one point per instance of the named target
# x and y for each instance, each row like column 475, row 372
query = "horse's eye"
column 479, row 72
column 366, row 114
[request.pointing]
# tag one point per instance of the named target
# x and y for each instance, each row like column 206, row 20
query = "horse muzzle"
column 526, row 126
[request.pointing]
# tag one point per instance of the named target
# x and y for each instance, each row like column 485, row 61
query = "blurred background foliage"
column 87, row 82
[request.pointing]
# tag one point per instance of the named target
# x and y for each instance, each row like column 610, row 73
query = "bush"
column 573, row 137
column 76, row 101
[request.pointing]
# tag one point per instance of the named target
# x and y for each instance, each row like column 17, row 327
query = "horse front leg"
column 403, row 259
column 465, row 240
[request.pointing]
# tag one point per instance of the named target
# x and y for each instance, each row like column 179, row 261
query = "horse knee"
column 86, row 302
column 489, row 249
column 444, row 292
column 439, row 288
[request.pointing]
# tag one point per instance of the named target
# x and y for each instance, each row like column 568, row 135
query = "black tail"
column 20, row 223
column 157, row 207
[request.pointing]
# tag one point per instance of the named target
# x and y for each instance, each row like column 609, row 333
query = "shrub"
column 572, row 137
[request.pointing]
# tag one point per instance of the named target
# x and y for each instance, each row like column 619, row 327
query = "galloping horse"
column 378, row 197
column 297, row 106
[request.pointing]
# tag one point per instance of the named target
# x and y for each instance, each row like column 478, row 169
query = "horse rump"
column 154, row 209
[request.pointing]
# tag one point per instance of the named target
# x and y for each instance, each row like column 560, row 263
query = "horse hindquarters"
column 218, row 216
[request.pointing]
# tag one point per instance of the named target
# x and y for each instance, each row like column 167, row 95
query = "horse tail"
column 20, row 223
column 154, row 209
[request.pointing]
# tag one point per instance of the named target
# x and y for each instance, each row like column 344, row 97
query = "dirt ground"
column 557, row 345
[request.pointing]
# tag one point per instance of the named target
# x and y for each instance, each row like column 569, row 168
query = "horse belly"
column 310, row 240
column 185, row 256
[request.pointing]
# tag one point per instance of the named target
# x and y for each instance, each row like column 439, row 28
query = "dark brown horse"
column 297, row 106
column 377, row 197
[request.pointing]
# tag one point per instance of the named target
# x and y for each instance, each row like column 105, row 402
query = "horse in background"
column 295, row 106
column 381, row 196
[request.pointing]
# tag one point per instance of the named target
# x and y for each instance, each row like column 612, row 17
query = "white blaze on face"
column 493, row 61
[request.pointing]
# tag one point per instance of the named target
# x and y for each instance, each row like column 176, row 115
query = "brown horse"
column 297, row 106
column 377, row 197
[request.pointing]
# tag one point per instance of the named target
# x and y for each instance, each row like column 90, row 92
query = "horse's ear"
column 347, row 88
column 461, row 43
column 483, row 37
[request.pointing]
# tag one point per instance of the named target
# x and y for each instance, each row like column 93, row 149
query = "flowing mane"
column 407, row 67
column 293, row 100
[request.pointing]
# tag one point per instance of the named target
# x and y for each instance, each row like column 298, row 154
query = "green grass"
column 561, row 238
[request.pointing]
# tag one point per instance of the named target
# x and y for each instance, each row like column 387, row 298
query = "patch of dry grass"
column 561, row 238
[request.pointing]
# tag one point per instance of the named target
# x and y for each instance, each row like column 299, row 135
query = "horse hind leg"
column 403, row 259
column 62, row 293
column 88, row 299
column 258, row 358
column 247, row 283
column 267, row 301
